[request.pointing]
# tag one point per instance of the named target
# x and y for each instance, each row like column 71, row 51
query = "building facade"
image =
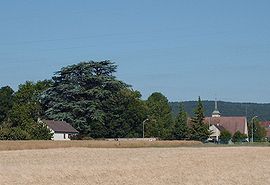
column 61, row 130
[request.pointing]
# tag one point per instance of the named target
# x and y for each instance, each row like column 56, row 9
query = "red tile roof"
column 232, row 124
column 60, row 126
column 266, row 124
column 220, row 127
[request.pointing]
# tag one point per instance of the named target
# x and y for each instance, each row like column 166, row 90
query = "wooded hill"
column 227, row 109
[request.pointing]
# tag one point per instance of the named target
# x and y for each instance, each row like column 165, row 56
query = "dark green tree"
column 181, row 130
column 225, row 137
column 160, row 122
column 89, row 96
column 125, row 119
column 13, row 133
column 238, row 137
column 199, row 130
column 26, row 110
column 6, row 102
column 26, row 107
column 80, row 94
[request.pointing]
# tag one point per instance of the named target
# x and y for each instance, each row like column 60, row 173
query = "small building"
column 215, row 132
column 61, row 130
column 266, row 125
column 232, row 124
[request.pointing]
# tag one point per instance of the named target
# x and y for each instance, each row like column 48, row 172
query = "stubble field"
column 157, row 166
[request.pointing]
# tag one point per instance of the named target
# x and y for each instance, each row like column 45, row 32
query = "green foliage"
column 160, row 118
column 37, row 132
column 13, row 133
column 6, row 102
column 88, row 96
column 259, row 132
column 225, row 137
column 238, row 137
column 25, row 111
column 126, row 114
column 40, row 132
column 26, row 107
column 199, row 130
column 181, row 130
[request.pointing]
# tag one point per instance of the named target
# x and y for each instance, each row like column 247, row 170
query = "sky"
column 183, row 49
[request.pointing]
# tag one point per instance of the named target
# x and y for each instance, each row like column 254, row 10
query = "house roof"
column 232, row 124
column 60, row 126
column 266, row 124
column 220, row 127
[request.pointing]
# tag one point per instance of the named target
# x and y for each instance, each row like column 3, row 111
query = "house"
column 215, row 132
column 266, row 125
column 218, row 123
column 61, row 130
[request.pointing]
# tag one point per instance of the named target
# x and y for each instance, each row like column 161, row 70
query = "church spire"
column 216, row 113
column 216, row 104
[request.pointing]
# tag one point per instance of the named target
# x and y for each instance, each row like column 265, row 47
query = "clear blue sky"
column 181, row 48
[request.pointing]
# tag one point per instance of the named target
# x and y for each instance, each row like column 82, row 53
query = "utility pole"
column 252, row 134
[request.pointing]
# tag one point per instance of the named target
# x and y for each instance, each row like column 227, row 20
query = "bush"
column 37, row 131
column 14, row 133
column 40, row 132
column 239, row 137
column 225, row 137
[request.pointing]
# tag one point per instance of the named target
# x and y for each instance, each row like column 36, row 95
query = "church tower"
column 216, row 113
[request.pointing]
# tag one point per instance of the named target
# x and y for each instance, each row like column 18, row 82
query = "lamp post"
column 143, row 126
column 252, row 134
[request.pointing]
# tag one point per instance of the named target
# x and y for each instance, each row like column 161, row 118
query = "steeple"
column 216, row 104
column 216, row 113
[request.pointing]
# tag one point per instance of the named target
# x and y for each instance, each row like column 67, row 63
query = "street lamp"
column 252, row 134
column 143, row 126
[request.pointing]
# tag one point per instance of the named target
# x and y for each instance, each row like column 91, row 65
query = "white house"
column 215, row 132
column 61, row 130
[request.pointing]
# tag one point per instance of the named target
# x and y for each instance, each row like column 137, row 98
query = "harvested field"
column 22, row 145
column 156, row 166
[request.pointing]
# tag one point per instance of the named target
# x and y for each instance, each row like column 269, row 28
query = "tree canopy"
column 238, row 137
column 259, row 132
column 225, row 137
column 181, row 129
column 160, row 118
column 89, row 96
column 22, row 118
column 6, row 102
column 199, row 130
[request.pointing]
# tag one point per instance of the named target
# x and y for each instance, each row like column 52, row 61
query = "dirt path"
column 164, row 166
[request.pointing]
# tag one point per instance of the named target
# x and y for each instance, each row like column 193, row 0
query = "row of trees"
column 97, row 104
column 226, row 137
column 19, row 112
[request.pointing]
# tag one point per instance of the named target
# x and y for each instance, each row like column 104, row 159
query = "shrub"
column 238, row 137
column 14, row 133
column 225, row 137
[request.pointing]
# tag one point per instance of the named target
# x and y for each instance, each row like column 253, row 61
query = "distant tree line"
column 89, row 96
column 262, row 110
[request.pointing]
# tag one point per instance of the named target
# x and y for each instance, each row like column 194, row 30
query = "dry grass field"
column 155, row 166
column 22, row 145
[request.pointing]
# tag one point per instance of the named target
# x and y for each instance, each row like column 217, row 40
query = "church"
column 218, row 123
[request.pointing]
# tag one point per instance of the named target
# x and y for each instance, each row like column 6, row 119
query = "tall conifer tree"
column 181, row 130
column 199, row 130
